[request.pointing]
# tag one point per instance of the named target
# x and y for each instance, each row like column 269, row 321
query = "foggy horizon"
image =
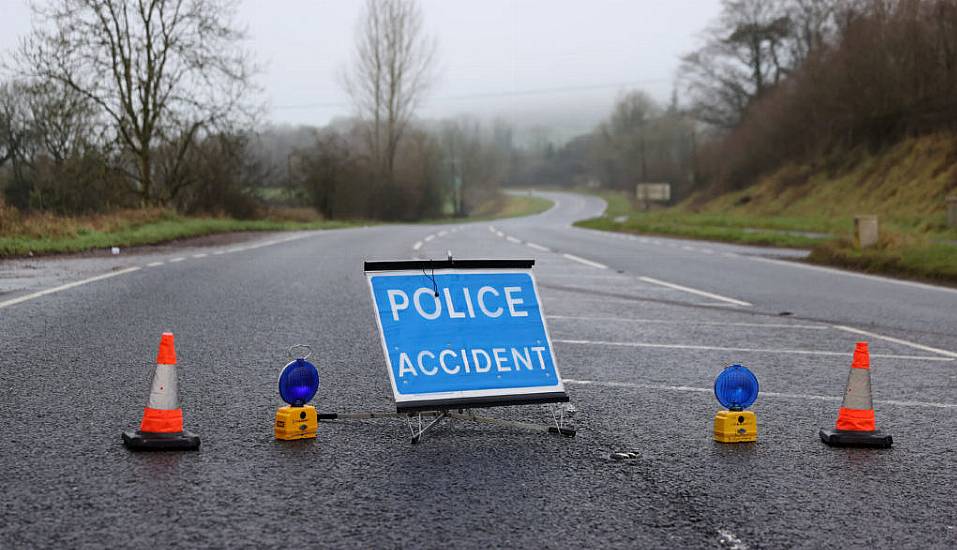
column 531, row 63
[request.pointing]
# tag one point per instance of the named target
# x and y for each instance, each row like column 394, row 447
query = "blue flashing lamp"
column 298, row 382
column 736, row 388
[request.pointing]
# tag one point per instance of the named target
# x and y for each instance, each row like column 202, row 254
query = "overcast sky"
column 552, row 62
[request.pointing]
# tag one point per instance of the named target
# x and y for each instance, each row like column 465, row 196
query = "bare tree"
column 392, row 70
column 160, row 71
column 745, row 54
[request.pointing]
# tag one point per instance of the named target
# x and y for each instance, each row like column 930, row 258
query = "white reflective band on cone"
column 163, row 392
column 858, row 393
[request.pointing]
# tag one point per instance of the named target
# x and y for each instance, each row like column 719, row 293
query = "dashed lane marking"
column 585, row 262
column 695, row 291
column 729, row 540
column 907, row 343
column 512, row 239
column 67, row 286
column 429, row 238
column 876, row 278
column 690, row 322
column 154, row 264
column 746, row 350
column 175, row 260
column 538, row 247
column 779, row 395
column 417, row 245
column 197, row 256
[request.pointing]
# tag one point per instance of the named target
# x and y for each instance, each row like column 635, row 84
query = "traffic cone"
column 162, row 425
column 855, row 422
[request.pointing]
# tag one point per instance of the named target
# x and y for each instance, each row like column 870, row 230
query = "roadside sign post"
column 463, row 334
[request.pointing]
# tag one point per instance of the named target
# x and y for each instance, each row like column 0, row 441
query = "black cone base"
column 846, row 438
column 142, row 441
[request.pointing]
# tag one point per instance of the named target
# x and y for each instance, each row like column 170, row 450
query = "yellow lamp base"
column 735, row 427
column 296, row 423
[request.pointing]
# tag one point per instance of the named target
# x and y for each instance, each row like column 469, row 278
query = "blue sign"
column 463, row 333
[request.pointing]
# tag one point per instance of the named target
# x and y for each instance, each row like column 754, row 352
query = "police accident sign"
column 460, row 337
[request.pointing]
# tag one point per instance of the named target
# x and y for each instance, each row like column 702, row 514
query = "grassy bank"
column 622, row 216
column 39, row 234
column 47, row 234
column 813, row 206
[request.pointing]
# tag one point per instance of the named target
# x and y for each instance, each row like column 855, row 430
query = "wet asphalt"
column 639, row 356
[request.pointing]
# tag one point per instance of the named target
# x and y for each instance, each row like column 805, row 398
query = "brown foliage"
column 890, row 72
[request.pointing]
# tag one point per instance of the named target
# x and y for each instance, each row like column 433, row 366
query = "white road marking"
column 875, row 278
column 154, row 264
column 197, row 256
column 491, row 228
column 219, row 252
column 730, row 540
column 500, row 234
column 174, row 260
column 443, row 233
column 746, row 350
column 417, row 245
column 670, row 322
column 897, row 341
column 538, row 247
column 429, row 238
column 236, row 249
column 67, row 286
column 584, row 261
column 689, row 248
column 695, row 291
column 512, row 239
column 798, row 396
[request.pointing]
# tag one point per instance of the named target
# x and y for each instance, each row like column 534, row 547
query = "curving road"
column 641, row 324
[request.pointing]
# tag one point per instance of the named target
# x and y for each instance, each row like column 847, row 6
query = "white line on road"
column 197, row 256
column 584, row 261
column 67, row 286
column 417, row 245
column 512, row 239
column 154, row 264
column 491, row 228
column 727, row 539
column 219, row 252
column 746, row 350
column 429, row 238
column 179, row 259
column 695, row 291
column 670, row 322
column 443, row 233
column 897, row 341
column 799, row 396
column 538, row 247
column 500, row 234
column 875, row 278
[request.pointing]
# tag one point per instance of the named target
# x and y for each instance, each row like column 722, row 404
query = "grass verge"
column 42, row 234
column 38, row 234
column 621, row 216
column 905, row 250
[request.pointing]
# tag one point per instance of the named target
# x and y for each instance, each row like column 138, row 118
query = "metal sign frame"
column 464, row 399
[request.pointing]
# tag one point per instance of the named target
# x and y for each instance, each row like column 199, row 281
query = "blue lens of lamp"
column 736, row 387
column 298, row 382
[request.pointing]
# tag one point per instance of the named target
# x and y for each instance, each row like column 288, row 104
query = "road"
column 641, row 326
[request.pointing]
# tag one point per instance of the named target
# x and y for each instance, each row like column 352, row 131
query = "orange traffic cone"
column 162, row 425
column 855, row 421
